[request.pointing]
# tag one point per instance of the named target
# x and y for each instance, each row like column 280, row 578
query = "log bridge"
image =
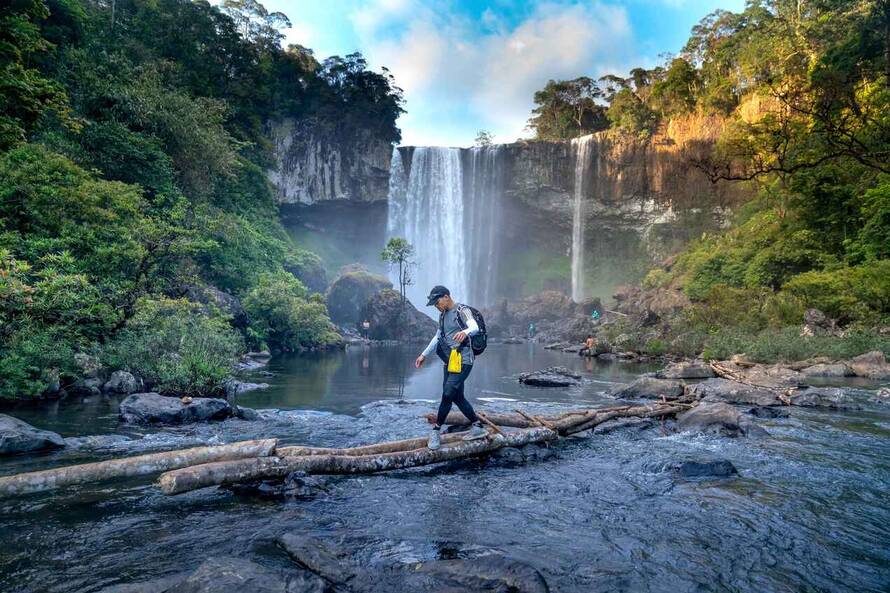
column 185, row 470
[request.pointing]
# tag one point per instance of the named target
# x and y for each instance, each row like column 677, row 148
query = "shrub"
column 176, row 347
column 33, row 359
column 282, row 318
column 860, row 293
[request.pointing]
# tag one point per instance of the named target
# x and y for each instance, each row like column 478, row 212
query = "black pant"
column 453, row 393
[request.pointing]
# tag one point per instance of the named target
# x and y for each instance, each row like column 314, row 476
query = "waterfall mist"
column 447, row 203
column 582, row 149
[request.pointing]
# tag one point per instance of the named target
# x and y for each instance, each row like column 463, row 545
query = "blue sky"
column 472, row 65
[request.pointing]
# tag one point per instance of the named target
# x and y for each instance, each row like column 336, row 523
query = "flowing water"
column 808, row 511
column 582, row 148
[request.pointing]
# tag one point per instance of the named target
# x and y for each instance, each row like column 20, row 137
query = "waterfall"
column 582, row 161
column 427, row 209
column 484, row 173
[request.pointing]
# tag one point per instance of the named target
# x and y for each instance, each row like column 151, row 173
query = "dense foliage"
column 133, row 152
column 803, row 89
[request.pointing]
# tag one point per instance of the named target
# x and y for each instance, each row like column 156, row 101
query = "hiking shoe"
column 435, row 440
column 476, row 432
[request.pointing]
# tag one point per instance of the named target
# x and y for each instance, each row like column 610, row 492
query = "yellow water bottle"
column 455, row 361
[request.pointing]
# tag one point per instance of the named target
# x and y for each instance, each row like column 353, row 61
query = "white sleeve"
column 472, row 326
column 432, row 345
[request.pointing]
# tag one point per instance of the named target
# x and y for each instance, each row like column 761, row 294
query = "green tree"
column 484, row 138
column 400, row 253
column 567, row 109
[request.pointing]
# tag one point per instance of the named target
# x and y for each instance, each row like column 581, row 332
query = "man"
column 456, row 327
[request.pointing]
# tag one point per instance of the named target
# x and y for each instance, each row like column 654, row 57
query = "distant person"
column 366, row 328
column 532, row 330
column 589, row 345
column 452, row 344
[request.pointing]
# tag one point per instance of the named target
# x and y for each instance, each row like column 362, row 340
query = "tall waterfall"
column 581, row 147
column 427, row 209
column 449, row 207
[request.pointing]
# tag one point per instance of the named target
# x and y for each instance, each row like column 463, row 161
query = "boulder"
column 872, row 365
column 350, row 292
column 650, row 388
column 733, row 392
column 390, row 320
column 837, row 369
column 551, row 377
column 717, row 418
column 824, row 397
column 235, row 575
column 719, row 468
column 549, row 305
column 687, row 370
column 86, row 387
column 234, row 387
column 211, row 297
column 154, row 408
column 123, row 382
column 768, row 412
column 17, row 436
column 488, row 573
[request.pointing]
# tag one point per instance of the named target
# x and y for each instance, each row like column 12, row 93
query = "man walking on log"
column 452, row 344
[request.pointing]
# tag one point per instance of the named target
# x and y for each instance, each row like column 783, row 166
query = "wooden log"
column 506, row 419
column 140, row 465
column 387, row 447
column 230, row 472
column 493, row 426
column 638, row 412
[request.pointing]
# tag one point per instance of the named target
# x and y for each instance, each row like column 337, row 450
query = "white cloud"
column 487, row 69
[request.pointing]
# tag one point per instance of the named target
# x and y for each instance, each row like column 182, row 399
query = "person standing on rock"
column 452, row 344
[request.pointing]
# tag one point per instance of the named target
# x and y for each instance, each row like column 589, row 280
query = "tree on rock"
column 399, row 252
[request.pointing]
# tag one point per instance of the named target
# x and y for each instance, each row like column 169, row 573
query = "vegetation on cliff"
column 803, row 89
column 133, row 151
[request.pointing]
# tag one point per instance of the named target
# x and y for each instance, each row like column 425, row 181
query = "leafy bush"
column 33, row 359
column 176, row 347
column 283, row 318
column 786, row 344
column 859, row 293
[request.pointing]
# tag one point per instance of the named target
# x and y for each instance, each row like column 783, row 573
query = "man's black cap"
column 437, row 293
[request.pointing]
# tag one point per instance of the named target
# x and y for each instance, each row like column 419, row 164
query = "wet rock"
column 235, row 575
column 733, row 392
column 872, row 365
column 88, row 365
column 508, row 456
column 246, row 413
column 17, row 436
column 123, row 382
column 234, row 387
column 86, row 387
column 768, row 412
column 650, row 388
column 295, row 485
column 828, row 370
column 350, row 292
column 488, row 573
column 535, row 452
column 687, row 370
column 882, row 396
column 624, row 424
column 153, row 408
column 717, row 418
column 720, row 468
column 97, row 441
column 574, row 349
column 607, row 357
column 551, row 377
column 390, row 320
column 319, row 556
column 249, row 363
column 832, row 398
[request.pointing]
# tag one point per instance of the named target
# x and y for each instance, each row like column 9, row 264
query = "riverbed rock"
column 718, row 468
column 837, row 369
column 236, row 575
column 733, row 392
column 234, row 387
column 122, row 382
column 718, row 418
column 768, row 412
column 687, row 370
column 548, row 305
column 320, row 557
column 488, row 573
column 86, row 387
column 350, row 292
column 154, row 408
column 551, row 377
column 650, row 388
column 872, row 365
column 390, row 320
column 832, row 398
column 17, row 436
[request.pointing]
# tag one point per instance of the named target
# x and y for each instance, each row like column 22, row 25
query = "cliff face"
column 313, row 167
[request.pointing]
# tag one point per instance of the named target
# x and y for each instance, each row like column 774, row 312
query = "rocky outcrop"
column 733, row 392
column 123, row 382
column 17, row 436
column 390, row 320
column 350, row 292
column 154, row 408
column 719, row 419
column 832, row 398
column 551, row 377
column 872, row 365
column 687, row 370
column 650, row 388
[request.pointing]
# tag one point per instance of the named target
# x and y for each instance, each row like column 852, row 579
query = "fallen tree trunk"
column 140, row 465
column 230, row 472
column 517, row 420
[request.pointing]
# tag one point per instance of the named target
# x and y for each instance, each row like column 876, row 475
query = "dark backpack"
column 478, row 342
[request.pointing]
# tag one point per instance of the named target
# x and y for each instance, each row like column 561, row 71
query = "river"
column 808, row 511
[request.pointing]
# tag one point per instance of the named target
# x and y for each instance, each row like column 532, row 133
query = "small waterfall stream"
column 582, row 150
column 484, row 174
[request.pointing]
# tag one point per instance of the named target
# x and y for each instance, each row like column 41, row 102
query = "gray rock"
column 551, row 377
column 650, row 388
column 235, row 575
column 390, row 320
column 828, row 370
column 832, row 398
column 625, row 424
column 86, row 387
column 687, row 370
column 508, row 456
column 488, row 573
column 768, row 412
column 153, row 408
column 349, row 293
column 246, row 413
column 17, row 436
column 717, row 418
column 320, row 557
column 720, row 468
column 234, row 387
column 732, row 392
column 123, row 382
column 872, row 365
